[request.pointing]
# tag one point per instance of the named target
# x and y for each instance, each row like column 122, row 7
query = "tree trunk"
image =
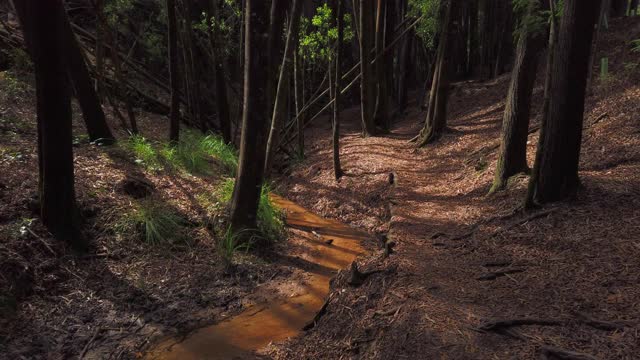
column 557, row 177
column 299, row 98
column 436, row 120
column 174, row 76
column 335, row 79
column 512, row 158
column 474, row 46
column 381, row 115
column 619, row 8
column 49, row 37
column 248, row 186
column 221, row 97
column 366, row 93
column 190, row 68
column 115, row 57
column 280, row 108
column 276, row 23
column 99, row 46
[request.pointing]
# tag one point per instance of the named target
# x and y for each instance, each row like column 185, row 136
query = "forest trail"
column 331, row 246
column 464, row 258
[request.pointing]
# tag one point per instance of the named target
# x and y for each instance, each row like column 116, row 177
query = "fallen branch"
column 323, row 310
column 598, row 324
column 501, row 325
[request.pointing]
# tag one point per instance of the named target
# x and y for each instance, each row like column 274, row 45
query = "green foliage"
column 231, row 242
column 317, row 36
column 270, row 223
column 534, row 22
column 144, row 152
column 191, row 154
column 427, row 28
column 159, row 224
column 225, row 153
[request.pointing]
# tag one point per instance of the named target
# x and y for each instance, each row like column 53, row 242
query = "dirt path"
column 464, row 258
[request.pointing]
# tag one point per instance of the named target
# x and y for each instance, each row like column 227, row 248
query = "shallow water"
column 283, row 316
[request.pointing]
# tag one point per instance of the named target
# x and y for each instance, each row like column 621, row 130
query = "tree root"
column 554, row 353
column 323, row 310
column 496, row 274
column 502, row 325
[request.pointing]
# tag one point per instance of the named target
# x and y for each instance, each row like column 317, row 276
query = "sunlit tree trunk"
column 335, row 77
column 512, row 157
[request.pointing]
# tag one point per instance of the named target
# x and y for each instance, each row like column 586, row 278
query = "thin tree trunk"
column 48, row 34
column 248, row 185
column 221, row 97
column 436, row 120
column 299, row 99
column 512, row 157
column 276, row 23
column 115, row 57
column 279, row 109
column 335, row 136
column 174, row 76
column 366, row 94
column 99, row 47
column 381, row 114
column 557, row 177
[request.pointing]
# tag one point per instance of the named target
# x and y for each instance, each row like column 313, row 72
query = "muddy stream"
column 280, row 316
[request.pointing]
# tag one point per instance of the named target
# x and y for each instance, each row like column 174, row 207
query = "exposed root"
column 554, row 353
column 496, row 274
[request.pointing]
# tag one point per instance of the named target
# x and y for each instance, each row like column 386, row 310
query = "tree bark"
column 248, row 185
column 335, row 79
column 221, row 97
column 557, row 176
column 49, row 39
column 280, row 108
column 436, row 120
column 366, row 93
column 381, row 115
column 174, row 76
column 299, row 99
column 276, row 23
column 512, row 157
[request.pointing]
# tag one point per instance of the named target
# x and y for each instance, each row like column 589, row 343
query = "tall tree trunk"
column 76, row 68
column 115, row 57
column 298, row 86
column 192, row 82
column 619, row 8
column 49, row 38
column 557, row 176
column 335, row 135
column 280, row 108
column 366, row 93
column 474, row 46
column 222, row 100
column 174, row 77
column 512, row 158
column 436, row 120
column 381, row 114
column 246, row 193
column 277, row 16
column 99, row 46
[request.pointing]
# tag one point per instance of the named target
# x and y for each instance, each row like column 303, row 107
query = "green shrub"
column 230, row 243
column 159, row 224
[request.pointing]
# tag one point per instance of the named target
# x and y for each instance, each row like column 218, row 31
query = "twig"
column 86, row 347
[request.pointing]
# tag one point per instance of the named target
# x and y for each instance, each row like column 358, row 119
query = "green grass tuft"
column 270, row 222
column 159, row 224
column 144, row 152
column 215, row 146
column 230, row 243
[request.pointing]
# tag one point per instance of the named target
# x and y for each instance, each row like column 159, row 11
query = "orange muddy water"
column 281, row 316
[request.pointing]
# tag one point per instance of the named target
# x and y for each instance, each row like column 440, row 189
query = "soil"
column 464, row 258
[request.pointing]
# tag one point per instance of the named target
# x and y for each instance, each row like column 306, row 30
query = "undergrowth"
column 191, row 154
column 156, row 223
column 270, row 223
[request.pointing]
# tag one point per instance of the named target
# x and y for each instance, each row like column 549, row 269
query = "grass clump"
column 270, row 222
column 215, row 146
column 159, row 224
column 144, row 152
column 232, row 242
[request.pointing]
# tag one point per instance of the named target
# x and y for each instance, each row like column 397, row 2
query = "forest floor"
column 462, row 258
column 564, row 277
